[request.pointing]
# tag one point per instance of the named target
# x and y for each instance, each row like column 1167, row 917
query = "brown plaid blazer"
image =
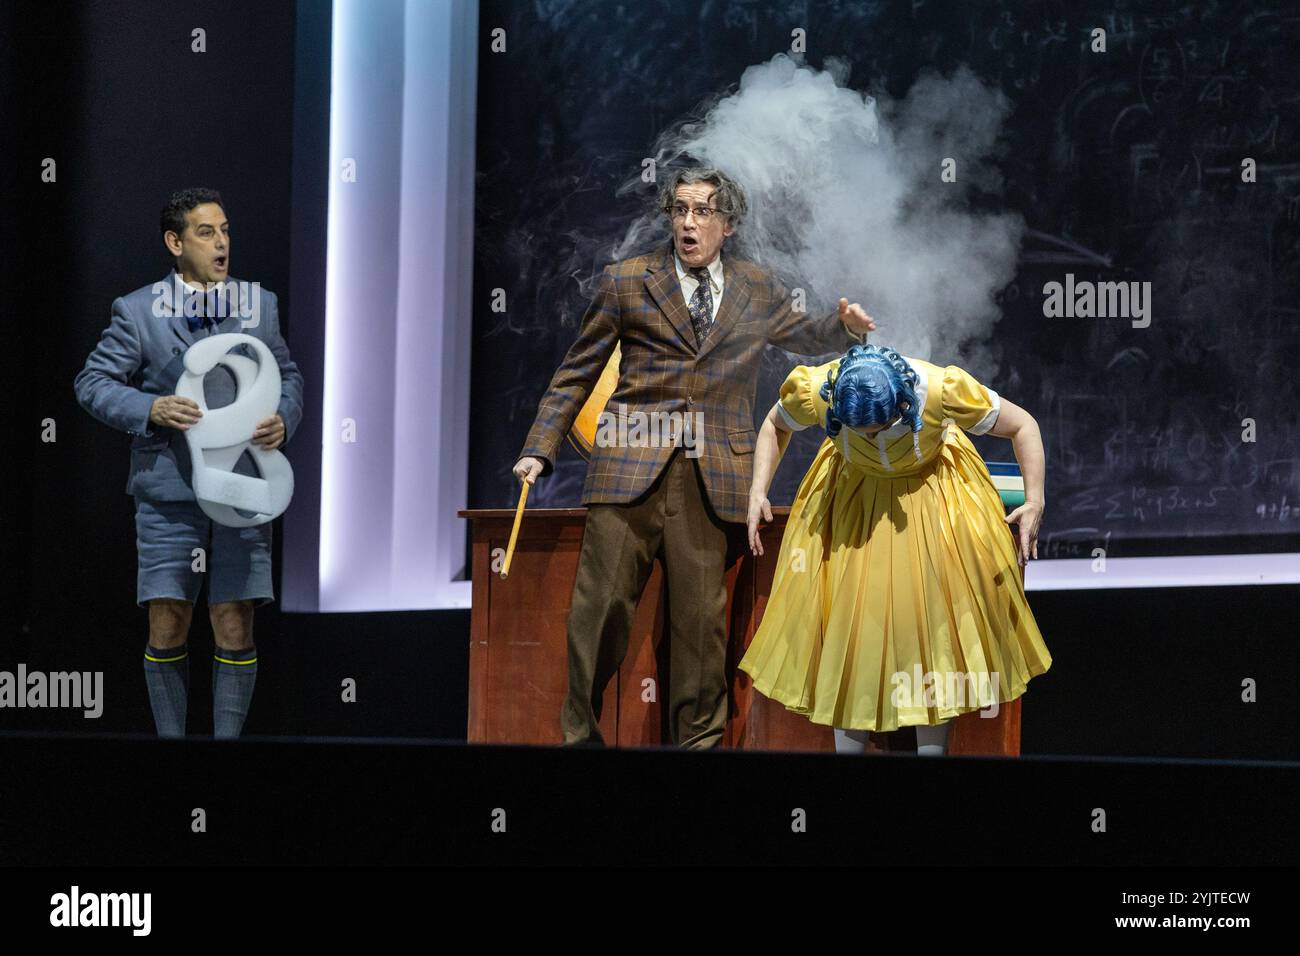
column 638, row 304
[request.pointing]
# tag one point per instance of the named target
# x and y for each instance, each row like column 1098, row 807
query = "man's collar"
column 187, row 285
column 715, row 268
column 188, row 291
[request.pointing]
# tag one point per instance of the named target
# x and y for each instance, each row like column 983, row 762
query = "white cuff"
column 989, row 420
column 790, row 423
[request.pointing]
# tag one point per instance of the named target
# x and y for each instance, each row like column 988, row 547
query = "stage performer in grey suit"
column 128, row 383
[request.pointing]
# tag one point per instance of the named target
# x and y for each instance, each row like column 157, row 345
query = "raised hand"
column 855, row 318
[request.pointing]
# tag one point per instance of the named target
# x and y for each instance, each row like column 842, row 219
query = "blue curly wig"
column 873, row 385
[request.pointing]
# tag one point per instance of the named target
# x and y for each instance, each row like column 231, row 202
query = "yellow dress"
column 897, row 598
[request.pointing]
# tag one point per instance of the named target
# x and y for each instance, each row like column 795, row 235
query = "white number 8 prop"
column 223, row 434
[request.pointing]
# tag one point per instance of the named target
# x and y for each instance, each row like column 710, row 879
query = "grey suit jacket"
column 138, row 358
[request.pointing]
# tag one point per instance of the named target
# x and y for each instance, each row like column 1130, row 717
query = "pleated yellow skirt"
column 896, row 601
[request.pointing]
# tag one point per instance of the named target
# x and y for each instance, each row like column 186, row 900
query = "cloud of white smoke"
column 846, row 197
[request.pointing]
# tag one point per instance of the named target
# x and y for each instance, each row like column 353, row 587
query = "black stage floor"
column 112, row 800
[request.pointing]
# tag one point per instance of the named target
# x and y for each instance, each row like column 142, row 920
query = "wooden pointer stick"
column 514, row 531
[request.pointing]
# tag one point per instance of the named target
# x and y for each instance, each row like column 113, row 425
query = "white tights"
column 930, row 741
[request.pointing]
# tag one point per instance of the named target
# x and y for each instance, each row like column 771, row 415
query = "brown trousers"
column 674, row 521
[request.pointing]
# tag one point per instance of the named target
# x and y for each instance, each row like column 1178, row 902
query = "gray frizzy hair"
column 729, row 196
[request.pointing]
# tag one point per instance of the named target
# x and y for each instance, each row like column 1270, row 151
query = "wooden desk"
column 518, row 663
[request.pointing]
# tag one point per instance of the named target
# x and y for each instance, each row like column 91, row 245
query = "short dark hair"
column 729, row 196
column 181, row 202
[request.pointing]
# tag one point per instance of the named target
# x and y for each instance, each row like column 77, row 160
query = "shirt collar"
column 196, row 322
column 715, row 270
column 186, row 285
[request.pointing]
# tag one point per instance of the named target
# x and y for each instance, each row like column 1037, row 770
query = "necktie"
column 701, row 305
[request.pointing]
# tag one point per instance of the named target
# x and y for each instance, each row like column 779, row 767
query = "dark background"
column 113, row 93
column 1125, row 166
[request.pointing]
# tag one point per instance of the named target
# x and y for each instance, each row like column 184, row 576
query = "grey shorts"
column 237, row 560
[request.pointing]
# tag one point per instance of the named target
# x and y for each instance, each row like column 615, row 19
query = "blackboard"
column 1126, row 166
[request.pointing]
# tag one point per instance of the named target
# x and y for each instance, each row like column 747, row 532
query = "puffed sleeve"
column 974, row 407
column 801, row 404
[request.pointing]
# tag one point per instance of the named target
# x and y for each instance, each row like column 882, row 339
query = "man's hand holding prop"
column 217, row 437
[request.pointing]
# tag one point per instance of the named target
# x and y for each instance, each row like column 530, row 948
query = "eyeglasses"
column 702, row 213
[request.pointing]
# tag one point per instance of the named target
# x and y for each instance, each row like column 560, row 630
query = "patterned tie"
column 701, row 305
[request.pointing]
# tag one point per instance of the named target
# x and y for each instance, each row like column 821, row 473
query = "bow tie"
column 207, row 303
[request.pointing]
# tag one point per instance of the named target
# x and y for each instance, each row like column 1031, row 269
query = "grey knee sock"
column 167, row 675
column 850, row 741
column 932, row 741
column 233, row 675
